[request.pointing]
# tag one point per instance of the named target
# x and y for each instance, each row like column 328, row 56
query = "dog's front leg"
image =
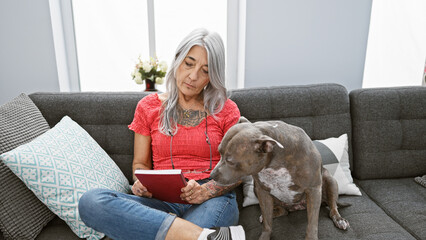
column 266, row 203
column 313, row 198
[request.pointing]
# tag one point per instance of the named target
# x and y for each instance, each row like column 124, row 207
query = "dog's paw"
column 261, row 219
column 341, row 223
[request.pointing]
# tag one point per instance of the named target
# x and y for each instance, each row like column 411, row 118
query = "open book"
column 164, row 185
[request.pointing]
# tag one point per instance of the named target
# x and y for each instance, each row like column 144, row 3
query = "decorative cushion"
column 62, row 164
column 248, row 192
column 22, row 215
column 421, row 180
column 335, row 158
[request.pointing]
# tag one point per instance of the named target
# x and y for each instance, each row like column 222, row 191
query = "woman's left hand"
column 194, row 193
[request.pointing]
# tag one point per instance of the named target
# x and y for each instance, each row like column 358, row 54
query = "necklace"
column 186, row 113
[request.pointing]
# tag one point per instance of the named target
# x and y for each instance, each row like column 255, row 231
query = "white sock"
column 237, row 232
column 205, row 233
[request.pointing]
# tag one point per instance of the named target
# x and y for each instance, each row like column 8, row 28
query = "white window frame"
column 65, row 45
column 61, row 14
column 236, row 39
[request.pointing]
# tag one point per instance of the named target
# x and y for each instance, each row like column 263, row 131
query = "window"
column 174, row 20
column 396, row 49
column 111, row 34
column 109, row 37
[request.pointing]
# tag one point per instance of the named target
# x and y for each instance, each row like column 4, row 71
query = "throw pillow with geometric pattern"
column 335, row 158
column 62, row 164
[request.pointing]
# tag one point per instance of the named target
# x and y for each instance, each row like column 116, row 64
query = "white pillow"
column 335, row 157
column 62, row 164
column 248, row 192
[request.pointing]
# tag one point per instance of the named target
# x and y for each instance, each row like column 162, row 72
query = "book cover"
column 163, row 184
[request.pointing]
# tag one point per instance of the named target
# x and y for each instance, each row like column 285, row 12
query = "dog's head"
column 244, row 151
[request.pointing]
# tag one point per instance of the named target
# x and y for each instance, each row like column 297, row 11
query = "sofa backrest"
column 389, row 129
column 322, row 110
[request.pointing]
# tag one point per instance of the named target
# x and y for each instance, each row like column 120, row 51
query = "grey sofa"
column 387, row 145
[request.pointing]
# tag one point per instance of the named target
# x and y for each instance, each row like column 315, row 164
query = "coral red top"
column 190, row 149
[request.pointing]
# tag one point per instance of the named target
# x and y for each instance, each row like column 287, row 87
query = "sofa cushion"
column 389, row 132
column 421, row 180
column 335, row 158
column 22, row 215
column 403, row 199
column 366, row 219
column 57, row 229
column 62, row 164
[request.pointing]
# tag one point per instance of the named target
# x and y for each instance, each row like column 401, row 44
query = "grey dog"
column 286, row 168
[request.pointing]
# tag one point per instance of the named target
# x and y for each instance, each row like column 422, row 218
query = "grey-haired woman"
column 180, row 129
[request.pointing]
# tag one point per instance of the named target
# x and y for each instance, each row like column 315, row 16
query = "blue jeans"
column 125, row 216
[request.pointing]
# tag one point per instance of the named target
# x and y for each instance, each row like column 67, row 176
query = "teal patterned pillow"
column 60, row 165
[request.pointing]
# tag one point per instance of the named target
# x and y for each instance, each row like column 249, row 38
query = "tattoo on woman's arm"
column 214, row 189
column 134, row 176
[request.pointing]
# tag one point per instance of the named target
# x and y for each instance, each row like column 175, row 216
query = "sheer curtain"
column 396, row 50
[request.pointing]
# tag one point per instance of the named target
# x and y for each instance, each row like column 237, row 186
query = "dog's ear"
column 266, row 144
column 243, row 120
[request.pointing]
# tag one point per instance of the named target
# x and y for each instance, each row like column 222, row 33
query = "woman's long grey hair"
column 214, row 94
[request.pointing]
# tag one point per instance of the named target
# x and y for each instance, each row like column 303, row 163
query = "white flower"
column 135, row 72
column 147, row 66
column 159, row 80
column 138, row 79
column 137, row 76
column 151, row 69
column 163, row 66
column 153, row 61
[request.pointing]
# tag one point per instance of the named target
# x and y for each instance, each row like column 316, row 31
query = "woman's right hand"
column 140, row 190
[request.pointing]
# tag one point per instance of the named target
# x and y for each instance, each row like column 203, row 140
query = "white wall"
column 306, row 41
column 27, row 57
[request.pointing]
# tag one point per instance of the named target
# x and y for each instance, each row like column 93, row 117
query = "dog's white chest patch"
column 279, row 181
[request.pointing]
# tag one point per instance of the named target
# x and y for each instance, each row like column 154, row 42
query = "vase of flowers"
column 151, row 71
